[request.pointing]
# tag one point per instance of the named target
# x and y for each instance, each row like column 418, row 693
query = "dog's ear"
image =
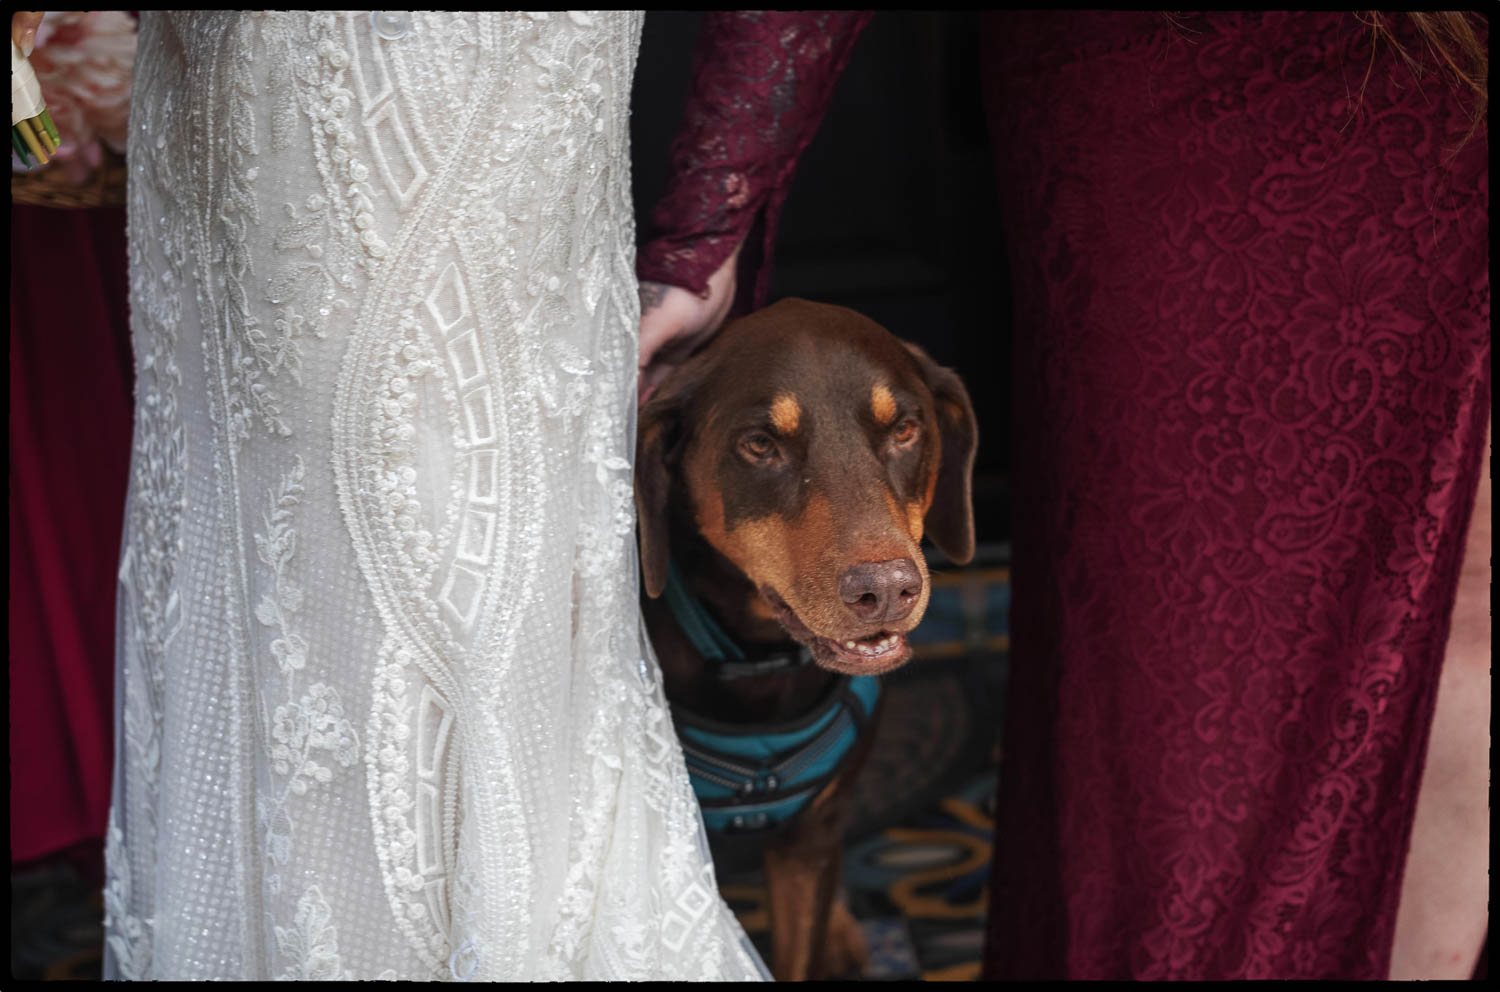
column 659, row 442
column 950, row 519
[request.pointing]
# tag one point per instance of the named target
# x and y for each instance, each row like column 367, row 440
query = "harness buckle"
column 748, row 822
column 728, row 671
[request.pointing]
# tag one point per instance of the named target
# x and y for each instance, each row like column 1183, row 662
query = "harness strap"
column 815, row 749
column 708, row 638
column 794, row 760
column 712, row 642
column 765, row 774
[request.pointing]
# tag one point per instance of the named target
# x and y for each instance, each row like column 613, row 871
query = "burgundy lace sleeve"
column 761, row 82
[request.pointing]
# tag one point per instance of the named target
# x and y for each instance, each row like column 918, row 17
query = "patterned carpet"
column 916, row 861
column 918, row 890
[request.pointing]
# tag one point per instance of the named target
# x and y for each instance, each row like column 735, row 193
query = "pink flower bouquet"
column 83, row 60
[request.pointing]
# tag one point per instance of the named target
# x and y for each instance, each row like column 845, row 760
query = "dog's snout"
column 881, row 591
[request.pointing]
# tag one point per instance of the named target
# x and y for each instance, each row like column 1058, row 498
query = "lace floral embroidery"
column 129, row 937
column 310, row 946
column 303, row 288
column 151, row 607
column 310, row 285
column 302, row 727
column 252, row 355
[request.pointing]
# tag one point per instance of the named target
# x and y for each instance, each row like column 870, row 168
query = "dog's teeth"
column 872, row 648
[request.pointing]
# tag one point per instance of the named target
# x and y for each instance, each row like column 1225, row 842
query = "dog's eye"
column 758, row 447
column 905, row 432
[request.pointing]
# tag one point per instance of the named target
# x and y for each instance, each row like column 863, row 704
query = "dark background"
column 892, row 210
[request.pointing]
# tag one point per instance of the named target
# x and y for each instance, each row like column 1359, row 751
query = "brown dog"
column 789, row 472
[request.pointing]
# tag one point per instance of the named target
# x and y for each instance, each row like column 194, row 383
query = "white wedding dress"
column 386, row 709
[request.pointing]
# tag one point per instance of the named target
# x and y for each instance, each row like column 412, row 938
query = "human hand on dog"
column 675, row 322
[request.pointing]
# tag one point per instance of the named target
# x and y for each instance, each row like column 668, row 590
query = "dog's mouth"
column 873, row 654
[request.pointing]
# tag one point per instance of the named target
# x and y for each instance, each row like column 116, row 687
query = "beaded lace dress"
column 386, row 706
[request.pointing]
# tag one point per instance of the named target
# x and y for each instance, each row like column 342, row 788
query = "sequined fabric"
column 1252, row 373
column 385, row 706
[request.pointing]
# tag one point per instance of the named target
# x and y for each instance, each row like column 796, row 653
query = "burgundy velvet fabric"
column 70, row 419
column 1251, row 384
column 761, row 81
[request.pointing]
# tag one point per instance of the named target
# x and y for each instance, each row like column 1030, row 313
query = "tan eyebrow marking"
column 785, row 414
column 883, row 404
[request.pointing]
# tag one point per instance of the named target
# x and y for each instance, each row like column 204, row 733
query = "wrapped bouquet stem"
column 71, row 74
column 32, row 131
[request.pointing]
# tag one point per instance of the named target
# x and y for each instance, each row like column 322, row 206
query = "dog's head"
column 813, row 450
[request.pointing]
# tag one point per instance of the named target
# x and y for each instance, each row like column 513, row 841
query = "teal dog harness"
column 756, row 777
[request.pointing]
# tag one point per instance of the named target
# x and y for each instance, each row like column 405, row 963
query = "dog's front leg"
column 799, row 890
column 802, row 874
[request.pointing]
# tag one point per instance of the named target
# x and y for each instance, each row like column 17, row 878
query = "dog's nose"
column 881, row 591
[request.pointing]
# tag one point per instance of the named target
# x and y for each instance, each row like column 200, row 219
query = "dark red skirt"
column 70, row 419
column 1251, row 385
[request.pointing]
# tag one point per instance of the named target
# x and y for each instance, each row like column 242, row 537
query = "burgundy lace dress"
column 1251, row 384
